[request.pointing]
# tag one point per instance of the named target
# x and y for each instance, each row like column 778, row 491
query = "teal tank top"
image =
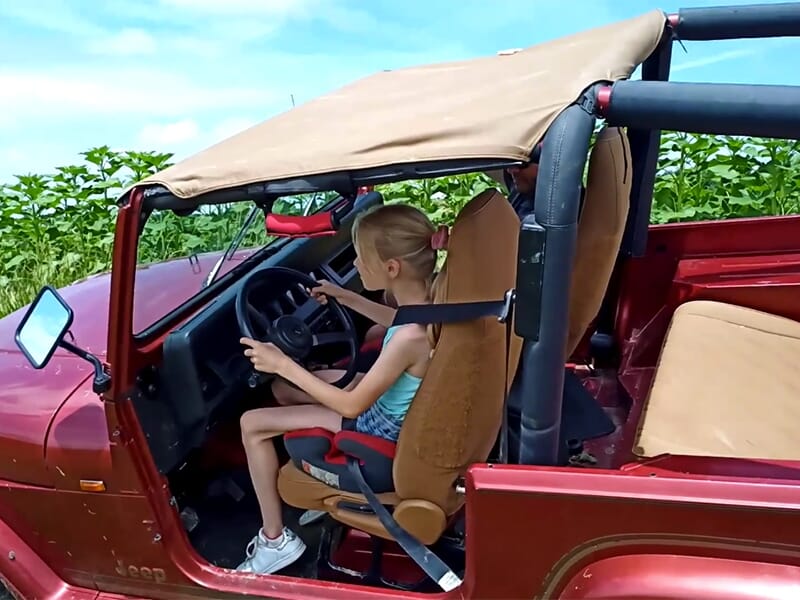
column 395, row 401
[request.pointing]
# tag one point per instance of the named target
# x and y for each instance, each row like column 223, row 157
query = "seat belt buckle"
column 508, row 305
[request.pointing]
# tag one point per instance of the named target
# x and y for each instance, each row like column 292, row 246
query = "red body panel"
column 670, row 576
column 83, row 535
column 78, row 446
column 27, row 574
column 28, row 401
column 564, row 520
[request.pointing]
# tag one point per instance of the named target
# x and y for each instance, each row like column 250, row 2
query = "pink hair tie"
column 440, row 238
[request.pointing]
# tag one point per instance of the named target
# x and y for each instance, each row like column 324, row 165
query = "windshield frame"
column 221, row 283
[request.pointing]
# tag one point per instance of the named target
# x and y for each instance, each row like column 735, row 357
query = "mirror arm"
column 102, row 380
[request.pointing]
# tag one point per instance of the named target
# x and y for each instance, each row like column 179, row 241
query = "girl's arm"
column 399, row 354
column 374, row 311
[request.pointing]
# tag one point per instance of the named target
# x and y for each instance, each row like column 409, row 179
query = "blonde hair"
column 400, row 232
column 403, row 233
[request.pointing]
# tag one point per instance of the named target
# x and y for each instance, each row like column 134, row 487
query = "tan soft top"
column 495, row 107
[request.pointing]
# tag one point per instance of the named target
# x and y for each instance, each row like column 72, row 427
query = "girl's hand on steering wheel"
column 325, row 289
column 266, row 357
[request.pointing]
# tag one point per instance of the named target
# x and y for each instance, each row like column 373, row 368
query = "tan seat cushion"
column 727, row 384
column 422, row 519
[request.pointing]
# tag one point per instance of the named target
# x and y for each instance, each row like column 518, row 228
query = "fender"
column 26, row 575
column 671, row 576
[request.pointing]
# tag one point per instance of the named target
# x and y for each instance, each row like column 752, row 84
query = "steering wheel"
column 293, row 329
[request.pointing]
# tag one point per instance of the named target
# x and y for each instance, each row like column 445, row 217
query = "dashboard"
column 204, row 372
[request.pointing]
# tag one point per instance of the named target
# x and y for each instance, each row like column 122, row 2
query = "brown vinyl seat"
column 726, row 385
column 456, row 415
column 600, row 229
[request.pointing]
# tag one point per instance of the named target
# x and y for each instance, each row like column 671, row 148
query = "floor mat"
column 582, row 417
column 225, row 526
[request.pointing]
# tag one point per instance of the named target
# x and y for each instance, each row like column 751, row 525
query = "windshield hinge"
column 194, row 260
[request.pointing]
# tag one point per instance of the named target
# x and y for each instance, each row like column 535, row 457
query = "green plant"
column 442, row 198
column 715, row 177
column 59, row 228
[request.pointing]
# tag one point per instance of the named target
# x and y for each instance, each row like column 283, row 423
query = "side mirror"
column 43, row 327
column 42, row 330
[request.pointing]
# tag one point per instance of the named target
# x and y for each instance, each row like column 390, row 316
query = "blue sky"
column 179, row 75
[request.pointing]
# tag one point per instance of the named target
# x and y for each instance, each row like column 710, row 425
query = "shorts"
column 374, row 421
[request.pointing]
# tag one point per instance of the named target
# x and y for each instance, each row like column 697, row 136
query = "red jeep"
column 611, row 410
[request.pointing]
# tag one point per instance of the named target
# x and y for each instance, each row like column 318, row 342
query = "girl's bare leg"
column 259, row 426
column 274, row 546
column 287, row 395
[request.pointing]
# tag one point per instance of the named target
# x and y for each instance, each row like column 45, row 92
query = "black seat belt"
column 427, row 314
column 433, row 566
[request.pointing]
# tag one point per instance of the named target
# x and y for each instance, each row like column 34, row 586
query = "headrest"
column 482, row 240
column 455, row 417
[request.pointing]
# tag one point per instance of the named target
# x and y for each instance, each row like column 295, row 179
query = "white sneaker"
column 265, row 556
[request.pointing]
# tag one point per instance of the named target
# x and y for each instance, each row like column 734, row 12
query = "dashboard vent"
column 342, row 263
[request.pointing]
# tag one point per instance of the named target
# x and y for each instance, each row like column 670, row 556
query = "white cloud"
column 187, row 136
column 229, row 127
column 713, row 59
column 157, row 135
column 250, row 20
column 128, row 42
column 236, row 32
column 246, row 7
column 68, row 93
column 199, row 47
column 355, row 20
column 35, row 157
column 12, row 155
column 53, row 15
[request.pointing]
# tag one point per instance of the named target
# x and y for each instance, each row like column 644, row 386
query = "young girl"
column 395, row 251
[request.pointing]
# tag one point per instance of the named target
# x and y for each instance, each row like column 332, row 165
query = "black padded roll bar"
column 645, row 145
column 735, row 22
column 715, row 108
column 544, row 266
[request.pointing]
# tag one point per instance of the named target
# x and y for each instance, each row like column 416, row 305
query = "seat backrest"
column 457, row 412
column 600, row 229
